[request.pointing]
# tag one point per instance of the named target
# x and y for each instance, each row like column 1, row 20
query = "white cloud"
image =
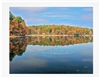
column 56, row 16
column 87, row 17
column 63, row 8
column 60, row 16
column 29, row 9
column 88, row 9
column 36, row 20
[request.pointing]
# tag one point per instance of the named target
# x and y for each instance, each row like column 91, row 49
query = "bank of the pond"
column 49, row 35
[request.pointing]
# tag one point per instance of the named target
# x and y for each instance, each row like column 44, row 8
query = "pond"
column 51, row 55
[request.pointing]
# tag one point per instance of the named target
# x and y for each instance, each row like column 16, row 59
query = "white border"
column 48, row 0
column 5, row 35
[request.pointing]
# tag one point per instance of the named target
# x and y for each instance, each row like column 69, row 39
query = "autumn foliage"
column 17, row 26
column 59, row 30
column 58, row 40
column 18, row 45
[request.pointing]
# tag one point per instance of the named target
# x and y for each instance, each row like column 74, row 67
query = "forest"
column 19, row 28
column 58, row 30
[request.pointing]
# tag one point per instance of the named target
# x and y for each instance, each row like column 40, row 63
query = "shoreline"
column 48, row 35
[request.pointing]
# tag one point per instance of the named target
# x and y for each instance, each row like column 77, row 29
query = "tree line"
column 58, row 30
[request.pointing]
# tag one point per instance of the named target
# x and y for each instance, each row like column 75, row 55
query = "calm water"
column 51, row 55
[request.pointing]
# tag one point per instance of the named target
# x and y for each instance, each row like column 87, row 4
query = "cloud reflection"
column 31, row 48
column 27, row 64
column 35, row 62
column 87, row 60
column 87, row 52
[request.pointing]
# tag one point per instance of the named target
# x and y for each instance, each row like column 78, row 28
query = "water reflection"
column 53, row 55
column 18, row 45
column 58, row 40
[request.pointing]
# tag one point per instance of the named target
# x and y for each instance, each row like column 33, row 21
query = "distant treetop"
column 19, row 19
column 11, row 17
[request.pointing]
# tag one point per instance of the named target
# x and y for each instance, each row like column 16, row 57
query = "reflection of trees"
column 12, row 55
column 59, row 40
column 17, row 46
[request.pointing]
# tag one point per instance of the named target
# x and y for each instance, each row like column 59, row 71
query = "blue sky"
column 76, row 16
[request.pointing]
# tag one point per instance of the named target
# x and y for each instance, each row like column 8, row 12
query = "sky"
column 74, row 16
